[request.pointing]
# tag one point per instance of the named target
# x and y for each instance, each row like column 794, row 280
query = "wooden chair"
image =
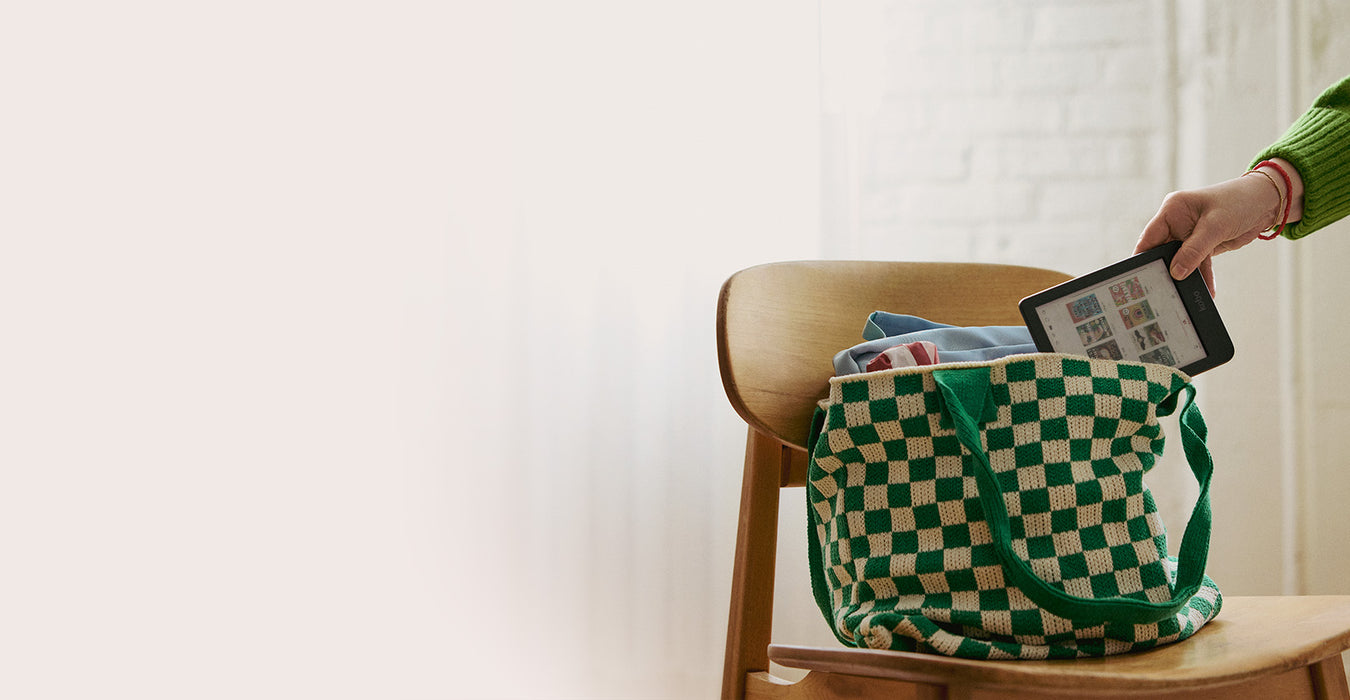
column 778, row 326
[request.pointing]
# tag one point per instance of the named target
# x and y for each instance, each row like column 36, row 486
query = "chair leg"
column 1328, row 677
column 751, row 618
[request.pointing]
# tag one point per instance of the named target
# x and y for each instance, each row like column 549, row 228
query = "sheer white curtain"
column 365, row 349
column 653, row 150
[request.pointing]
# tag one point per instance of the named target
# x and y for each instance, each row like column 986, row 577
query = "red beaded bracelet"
column 1288, row 198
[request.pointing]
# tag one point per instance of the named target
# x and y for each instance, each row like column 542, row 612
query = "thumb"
column 1194, row 250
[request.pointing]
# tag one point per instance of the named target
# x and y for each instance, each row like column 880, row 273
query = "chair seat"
column 1252, row 637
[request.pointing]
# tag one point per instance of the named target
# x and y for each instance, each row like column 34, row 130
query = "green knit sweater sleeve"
column 1318, row 144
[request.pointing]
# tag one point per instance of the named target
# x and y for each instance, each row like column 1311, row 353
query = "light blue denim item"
column 954, row 343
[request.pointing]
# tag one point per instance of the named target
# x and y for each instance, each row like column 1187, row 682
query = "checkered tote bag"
column 998, row 509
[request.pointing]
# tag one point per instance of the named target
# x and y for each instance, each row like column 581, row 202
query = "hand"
column 1218, row 218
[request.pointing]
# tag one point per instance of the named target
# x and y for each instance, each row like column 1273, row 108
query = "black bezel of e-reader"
column 1194, row 295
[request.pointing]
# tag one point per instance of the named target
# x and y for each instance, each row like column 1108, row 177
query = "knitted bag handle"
column 965, row 393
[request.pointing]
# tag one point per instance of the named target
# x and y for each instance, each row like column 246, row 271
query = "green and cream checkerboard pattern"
column 903, row 552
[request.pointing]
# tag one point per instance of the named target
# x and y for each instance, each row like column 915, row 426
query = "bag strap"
column 965, row 393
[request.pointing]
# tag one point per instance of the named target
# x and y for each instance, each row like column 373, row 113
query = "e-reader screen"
column 1132, row 310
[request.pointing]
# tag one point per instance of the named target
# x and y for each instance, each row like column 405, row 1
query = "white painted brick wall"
column 1090, row 24
column 1003, row 131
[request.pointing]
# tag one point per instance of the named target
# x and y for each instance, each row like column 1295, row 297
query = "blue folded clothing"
column 954, row 343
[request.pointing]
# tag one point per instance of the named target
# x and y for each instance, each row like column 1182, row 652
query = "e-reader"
column 1132, row 310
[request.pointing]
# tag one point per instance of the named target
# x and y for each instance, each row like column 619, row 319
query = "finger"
column 1198, row 247
column 1192, row 254
column 1207, row 274
column 1156, row 233
column 1174, row 220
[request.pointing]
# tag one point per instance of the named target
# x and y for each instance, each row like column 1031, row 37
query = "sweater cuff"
column 1318, row 145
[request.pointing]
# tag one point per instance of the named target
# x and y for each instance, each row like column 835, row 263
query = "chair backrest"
column 779, row 325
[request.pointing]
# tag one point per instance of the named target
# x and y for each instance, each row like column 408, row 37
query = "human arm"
column 1314, row 152
column 1318, row 145
column 1223, row 217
